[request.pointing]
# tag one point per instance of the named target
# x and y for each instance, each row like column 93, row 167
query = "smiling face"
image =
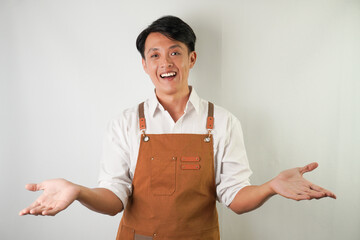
column 168, row 63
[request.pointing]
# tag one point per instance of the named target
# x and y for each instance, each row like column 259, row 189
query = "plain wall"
column 289, row 70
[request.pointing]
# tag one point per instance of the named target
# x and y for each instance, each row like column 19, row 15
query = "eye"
column 175, row 53
column 154, row 55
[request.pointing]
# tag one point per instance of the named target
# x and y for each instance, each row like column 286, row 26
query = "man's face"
column 167, row 62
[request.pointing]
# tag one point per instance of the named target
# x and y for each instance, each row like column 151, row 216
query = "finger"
column 332, row 195
column 38, row 210
column 33, row 187
column 307, row 190
column 308, row 168
column 326, row 192
column 27, row 210
column 301, row 196
column 50, row 212
column 297, row 196
column 23, row 212
column 316, row 194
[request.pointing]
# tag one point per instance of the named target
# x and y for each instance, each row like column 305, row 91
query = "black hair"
column 171, row 27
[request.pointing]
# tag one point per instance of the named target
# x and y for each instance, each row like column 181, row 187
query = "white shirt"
column 122, row 142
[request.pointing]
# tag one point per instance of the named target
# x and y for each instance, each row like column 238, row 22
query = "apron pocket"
column 163, row 175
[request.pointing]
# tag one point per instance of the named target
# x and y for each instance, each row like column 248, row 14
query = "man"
column 168, row 160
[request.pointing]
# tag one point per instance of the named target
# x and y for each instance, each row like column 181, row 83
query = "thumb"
column 33, row 187
column 308, row 168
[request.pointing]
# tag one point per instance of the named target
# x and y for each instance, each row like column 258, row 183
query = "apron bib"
column 174, row 192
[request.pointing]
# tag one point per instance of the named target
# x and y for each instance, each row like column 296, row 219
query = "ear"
column 192, row 58
column 144, row 64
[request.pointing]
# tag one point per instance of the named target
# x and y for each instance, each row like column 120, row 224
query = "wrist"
column 80, row 192
column 268, row 186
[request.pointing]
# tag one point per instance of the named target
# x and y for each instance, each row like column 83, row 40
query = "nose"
column 166, row 62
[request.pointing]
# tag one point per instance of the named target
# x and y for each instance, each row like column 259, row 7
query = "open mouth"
column 168, row 75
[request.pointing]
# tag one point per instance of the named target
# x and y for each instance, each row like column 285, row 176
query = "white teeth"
column 170, row 74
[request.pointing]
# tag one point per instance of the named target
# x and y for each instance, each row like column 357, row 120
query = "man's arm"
column 58, row 194
column 289, row 183
column 100, row 200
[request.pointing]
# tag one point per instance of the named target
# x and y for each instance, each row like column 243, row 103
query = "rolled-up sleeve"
column 115, row 161
column 234, row 166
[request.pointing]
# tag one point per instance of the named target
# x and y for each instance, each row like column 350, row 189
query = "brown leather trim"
column 142, row 122
column 190, row 166
column 210, row 123
column 141, row 110
column 210, row 118
column 190, row 159
column 142, row 237
column 211, row 110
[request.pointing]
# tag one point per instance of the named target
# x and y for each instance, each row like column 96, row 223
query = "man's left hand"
column 291, row 184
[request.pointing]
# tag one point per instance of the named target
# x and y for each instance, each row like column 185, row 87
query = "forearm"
column 100, row 200
column 251, row 197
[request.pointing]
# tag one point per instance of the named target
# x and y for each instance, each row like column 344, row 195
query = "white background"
column 289, row 70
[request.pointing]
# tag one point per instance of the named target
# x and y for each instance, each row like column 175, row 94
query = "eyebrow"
column 152, row 49
column 171, row 47
column 175, row 46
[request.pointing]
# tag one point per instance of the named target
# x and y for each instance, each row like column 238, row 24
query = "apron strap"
column 209, row 122
column 210, row 118
column 142, row 117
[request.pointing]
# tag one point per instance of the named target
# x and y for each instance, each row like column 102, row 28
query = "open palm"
column 57, row 195
column 291, row 184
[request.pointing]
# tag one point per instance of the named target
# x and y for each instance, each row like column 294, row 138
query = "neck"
column 175, row 104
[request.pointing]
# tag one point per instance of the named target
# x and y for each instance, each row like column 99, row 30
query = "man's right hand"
column 57, row 195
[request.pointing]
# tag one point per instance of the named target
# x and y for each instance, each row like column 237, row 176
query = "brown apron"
column 174, row 193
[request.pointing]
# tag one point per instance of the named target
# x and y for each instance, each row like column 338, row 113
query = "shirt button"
column 154, row 234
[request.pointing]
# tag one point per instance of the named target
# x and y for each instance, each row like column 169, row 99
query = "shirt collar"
column 194, row 101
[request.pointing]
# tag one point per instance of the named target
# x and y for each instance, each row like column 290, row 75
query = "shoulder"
column 222, row 113
column 126, row 119
column 225, row 121
column 226, row 124
column 222, row 116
